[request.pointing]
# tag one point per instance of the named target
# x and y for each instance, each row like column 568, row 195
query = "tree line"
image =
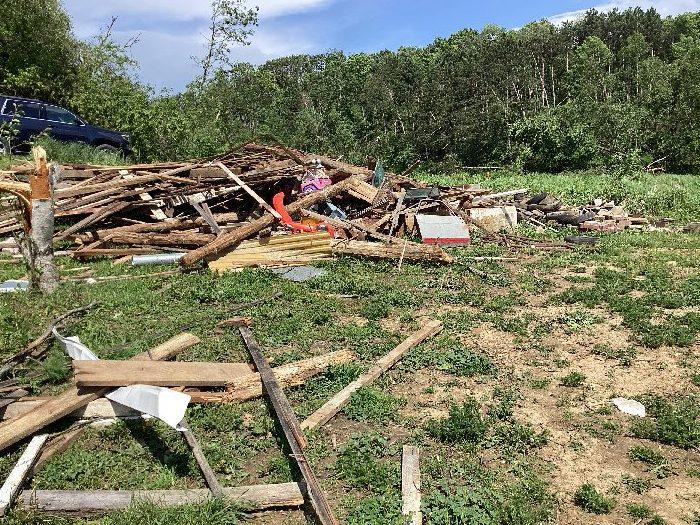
column 617, row 90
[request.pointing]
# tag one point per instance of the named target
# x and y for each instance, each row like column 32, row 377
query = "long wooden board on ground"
column 12, row 432
column 95, row 502
column 122, row 373
column 19, row 473
column 245, row 388
column 410, row 485
column 290, row 426
column 342, row 398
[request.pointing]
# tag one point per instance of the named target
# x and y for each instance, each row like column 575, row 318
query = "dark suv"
column 32, row 117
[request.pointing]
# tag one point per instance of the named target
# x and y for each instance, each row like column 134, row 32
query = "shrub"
column 590, row 500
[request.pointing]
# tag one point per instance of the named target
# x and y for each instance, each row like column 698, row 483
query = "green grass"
column 674, row 421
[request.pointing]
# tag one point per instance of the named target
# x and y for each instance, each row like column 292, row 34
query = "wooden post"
column 39, row 250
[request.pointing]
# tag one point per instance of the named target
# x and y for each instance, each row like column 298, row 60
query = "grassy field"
column 509, row 404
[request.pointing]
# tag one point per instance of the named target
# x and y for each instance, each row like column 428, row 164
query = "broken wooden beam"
column 97, row 502
column 290, row 426
column 242, row 389
column 16, row 430
column 342, row 398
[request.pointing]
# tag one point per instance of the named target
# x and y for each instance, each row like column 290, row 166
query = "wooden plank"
column 14, row 481
column 96, row 502
column 235, row 178
column 249, row 229
column 122, row 373
column 97, row 216
column 337, row 402
column 292, row 431
column 410, row 485
column 12, row 432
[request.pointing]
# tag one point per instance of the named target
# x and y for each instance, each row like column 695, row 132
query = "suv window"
column 60, row 115
column 22, row 109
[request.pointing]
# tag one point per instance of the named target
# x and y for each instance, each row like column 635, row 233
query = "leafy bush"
column 590, row 500
column 465, row 424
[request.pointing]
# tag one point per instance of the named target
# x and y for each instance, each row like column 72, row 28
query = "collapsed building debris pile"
column 272, row 206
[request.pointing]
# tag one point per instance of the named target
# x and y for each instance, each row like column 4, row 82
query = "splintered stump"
column 39, row 243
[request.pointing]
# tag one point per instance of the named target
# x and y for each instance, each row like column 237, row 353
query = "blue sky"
column 172, row 31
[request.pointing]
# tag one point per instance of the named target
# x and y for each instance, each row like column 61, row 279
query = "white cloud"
column 179, row 10
column 664, row 7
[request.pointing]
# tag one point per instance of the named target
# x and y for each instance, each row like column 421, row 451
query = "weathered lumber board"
column 338, row 401
column 292, row 431
column 16, row 478
column 122, row 373
column 74, row 398
column 241, row 233
column 95, row 502
column 410, row 485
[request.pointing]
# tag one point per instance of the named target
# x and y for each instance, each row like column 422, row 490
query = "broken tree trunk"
column 39, row 250
column 342, row 398
column 241, row 233
column 12, row 432
column 292, row 431
column 95, row 502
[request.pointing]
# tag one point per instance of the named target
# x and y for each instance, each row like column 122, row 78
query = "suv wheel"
column 107, row 148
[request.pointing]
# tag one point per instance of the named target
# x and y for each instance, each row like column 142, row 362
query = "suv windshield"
column 60, row 115
column 22, row 109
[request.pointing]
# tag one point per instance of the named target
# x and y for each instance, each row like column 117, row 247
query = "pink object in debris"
column 315, row 184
